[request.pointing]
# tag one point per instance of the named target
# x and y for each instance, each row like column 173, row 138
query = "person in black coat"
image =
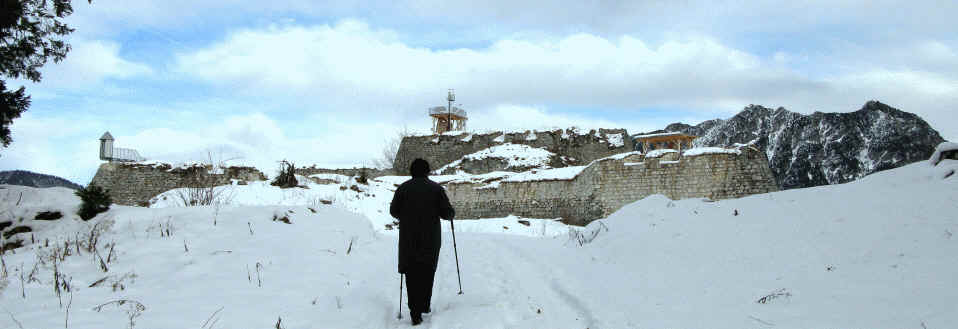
column 418, row 204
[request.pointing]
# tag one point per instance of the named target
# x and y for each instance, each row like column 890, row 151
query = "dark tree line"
column 31, row 33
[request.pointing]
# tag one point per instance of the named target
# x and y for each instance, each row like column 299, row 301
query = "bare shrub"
column 586, row 235
column 133, row 308
column 363, row 177
column 201, row 190
column 349, row 248
column 287, row 175
column 19, row 325
column 387, row 157
column 781, row 293
column 166, row 228
column 259, row 279
column 201, row 184
column 214, row 318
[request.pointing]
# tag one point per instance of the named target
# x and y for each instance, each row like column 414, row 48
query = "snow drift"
column 876, row 253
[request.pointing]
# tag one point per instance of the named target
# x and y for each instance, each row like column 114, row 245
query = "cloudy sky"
column 328, row 83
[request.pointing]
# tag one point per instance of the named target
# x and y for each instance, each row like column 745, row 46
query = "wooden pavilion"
column 668, row 140
column 444, row 120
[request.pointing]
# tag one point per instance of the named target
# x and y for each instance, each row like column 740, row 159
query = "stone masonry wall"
column 607, row 185
column 370, row 172
column 441, row 150
column 134, row 184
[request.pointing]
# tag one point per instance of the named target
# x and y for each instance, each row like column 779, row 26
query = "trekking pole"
column 399, row 316
column 453, row 227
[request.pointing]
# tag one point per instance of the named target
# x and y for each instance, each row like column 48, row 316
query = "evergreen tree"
column 31, row 33
column 95, row 200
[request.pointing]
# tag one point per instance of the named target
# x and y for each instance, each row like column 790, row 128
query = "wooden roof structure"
column 672, row 140
column 444, row 119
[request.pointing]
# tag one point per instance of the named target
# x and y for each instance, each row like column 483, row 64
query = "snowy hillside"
column 879, row 252
column 28, row 178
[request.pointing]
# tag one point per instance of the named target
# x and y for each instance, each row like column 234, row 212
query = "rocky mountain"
column 823, row 148
column 28, row 178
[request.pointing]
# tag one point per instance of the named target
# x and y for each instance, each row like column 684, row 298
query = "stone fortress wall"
column 134, row 184
column 370, row 172
column 582, row 146
column 611, row 177
column 608, row 184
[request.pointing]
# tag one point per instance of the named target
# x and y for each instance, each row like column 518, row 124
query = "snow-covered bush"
column 95, row 200
column 287, row 175
column 587, row 234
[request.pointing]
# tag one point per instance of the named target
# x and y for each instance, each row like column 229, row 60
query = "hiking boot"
column 416, row 318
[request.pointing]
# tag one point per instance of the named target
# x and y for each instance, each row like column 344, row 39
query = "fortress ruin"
column 570, row 174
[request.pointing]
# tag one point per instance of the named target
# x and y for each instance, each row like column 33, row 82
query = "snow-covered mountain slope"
column 32, row 179
column 879, row 252
column 823, row 148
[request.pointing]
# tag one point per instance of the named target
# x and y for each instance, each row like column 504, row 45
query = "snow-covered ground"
column 514, row 155
column 876, row 253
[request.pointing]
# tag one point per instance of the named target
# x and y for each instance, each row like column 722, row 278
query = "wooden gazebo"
column 667, row 140
column 444, row 120
column 448, row 118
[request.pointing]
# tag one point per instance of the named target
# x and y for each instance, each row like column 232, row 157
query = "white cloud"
column 350, row 62
column 259, row 140
column 331, row 94
column 518, row 117
column 88, row 64
column 54, row 146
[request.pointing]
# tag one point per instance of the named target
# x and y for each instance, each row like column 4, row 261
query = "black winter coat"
column 418, row 204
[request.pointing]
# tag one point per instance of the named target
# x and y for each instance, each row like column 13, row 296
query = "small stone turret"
column 115, row 154
column 106, row 146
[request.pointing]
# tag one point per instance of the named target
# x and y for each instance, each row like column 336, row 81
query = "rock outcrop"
column 823, row 148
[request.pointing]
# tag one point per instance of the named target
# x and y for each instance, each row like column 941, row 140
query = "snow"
column 619, row 156
column 333, row 177
column 531, row 136
column 453, row 164
column 709, row 150
column 616, row 140
column 566, row 173
column 668, row 162
column 500, row 139
column 474, row 179
column 943, row 147
column 515, row 155
column 879, row 252
column 659, row 134
column 468, row 138
column 659, row 152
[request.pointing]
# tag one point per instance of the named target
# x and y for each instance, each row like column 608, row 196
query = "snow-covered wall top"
column 579, row 147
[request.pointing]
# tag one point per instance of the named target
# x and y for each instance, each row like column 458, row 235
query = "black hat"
column 419, row 168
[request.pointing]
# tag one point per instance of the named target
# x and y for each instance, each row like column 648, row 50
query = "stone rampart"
column 608, row 184
column 134, row 184
column 370, row 172
column 583, row 147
